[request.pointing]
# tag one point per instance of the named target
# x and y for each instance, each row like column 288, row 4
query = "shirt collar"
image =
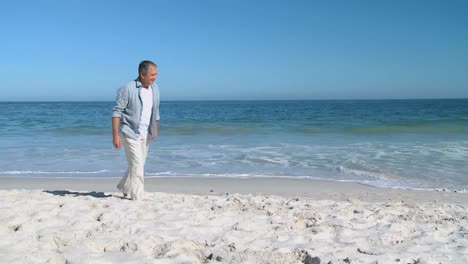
column 139, row 85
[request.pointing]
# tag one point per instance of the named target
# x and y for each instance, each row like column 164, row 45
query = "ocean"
column 415, row 144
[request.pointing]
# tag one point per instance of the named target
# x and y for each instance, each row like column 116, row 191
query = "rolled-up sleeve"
column 156, row 102
column 120, row 102
column 157, row 110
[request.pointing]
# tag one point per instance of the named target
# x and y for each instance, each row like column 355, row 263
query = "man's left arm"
column 156, row 114
column 152, row 137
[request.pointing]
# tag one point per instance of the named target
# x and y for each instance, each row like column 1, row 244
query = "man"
column 136, row 113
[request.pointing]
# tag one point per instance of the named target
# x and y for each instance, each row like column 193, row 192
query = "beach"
column 213, row 220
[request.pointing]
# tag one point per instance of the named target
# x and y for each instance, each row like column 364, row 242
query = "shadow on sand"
column 92, row 194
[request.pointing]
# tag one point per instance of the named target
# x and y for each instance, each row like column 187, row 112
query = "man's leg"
column 121, row 186
column 145, row 149
column 132, row 183
column 124, row 185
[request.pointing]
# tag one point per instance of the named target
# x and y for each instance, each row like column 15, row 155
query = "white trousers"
column 132, row 183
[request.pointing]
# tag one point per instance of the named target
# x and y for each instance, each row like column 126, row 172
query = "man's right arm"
column 115, row 132
column 117, row 111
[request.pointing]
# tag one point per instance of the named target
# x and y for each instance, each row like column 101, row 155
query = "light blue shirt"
column 129, row 106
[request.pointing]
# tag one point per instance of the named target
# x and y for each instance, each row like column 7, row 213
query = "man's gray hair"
column 144, row 66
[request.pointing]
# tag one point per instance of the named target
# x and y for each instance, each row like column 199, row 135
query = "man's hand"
column 152, row 137
column 117, row 142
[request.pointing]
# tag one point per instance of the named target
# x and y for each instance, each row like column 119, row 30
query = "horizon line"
column 239, row 100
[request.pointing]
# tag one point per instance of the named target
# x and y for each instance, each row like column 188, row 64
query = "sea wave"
column 380, row 183
column 425, row 128
column 20, row 172
column 218, row 128
column 212, row 129
column 79, row 130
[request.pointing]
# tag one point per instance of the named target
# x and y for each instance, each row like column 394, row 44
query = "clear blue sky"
column 235, row 49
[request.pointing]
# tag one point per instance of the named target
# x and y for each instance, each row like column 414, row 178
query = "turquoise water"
column 394, row 143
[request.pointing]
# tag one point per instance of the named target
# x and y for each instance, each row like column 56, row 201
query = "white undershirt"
column 147, row 99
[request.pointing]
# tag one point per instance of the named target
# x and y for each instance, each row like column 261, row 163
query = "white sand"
column 196, row 221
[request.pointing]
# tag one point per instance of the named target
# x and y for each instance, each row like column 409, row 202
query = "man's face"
column 149, row 78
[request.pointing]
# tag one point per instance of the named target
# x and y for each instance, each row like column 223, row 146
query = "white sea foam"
column 17, row 172
column 414, row 165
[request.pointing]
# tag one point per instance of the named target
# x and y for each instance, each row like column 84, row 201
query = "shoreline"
column 284, row 187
